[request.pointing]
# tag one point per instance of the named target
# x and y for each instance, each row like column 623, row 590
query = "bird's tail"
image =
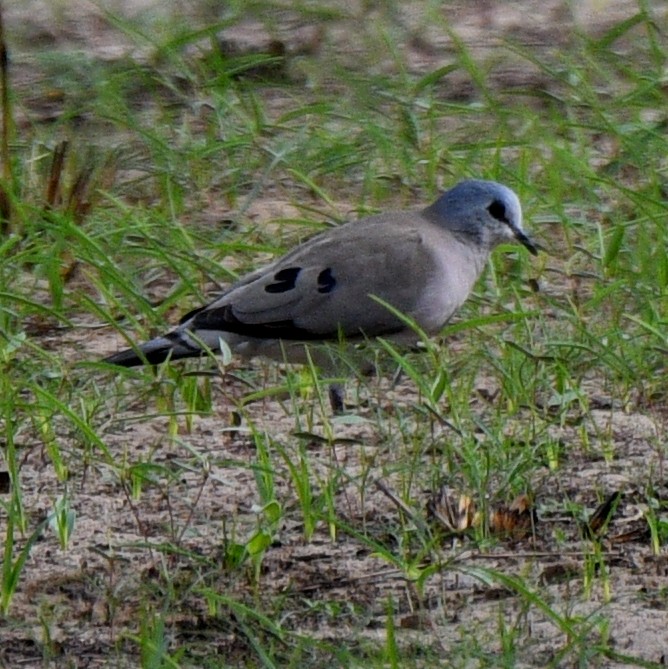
column 173, row 346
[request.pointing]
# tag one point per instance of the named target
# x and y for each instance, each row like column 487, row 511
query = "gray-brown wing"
column 323, row 288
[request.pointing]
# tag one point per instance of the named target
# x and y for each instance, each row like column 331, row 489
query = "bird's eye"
column 498, row 211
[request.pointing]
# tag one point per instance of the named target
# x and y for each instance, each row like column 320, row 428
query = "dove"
column 337, row 284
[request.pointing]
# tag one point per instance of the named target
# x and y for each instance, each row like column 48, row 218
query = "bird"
column 354, row 281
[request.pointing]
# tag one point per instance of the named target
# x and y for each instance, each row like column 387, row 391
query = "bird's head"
column 485, row 212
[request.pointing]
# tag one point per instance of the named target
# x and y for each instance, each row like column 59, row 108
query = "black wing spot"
column 326, row 281
column 498, row 211
column 285, row 280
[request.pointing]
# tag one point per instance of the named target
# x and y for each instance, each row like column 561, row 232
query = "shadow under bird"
column 422, row 263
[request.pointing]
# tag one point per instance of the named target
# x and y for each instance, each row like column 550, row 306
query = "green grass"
column 253, row 532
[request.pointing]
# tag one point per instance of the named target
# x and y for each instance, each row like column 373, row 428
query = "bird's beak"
column 526, row 241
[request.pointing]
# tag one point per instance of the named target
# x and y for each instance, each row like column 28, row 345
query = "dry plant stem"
column 53, row 195
column 7, row 186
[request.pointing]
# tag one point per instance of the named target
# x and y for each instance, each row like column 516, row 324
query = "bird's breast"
column 456, row 268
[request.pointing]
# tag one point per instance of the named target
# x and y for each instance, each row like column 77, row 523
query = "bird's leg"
column 336, row 394
column 397, row 377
